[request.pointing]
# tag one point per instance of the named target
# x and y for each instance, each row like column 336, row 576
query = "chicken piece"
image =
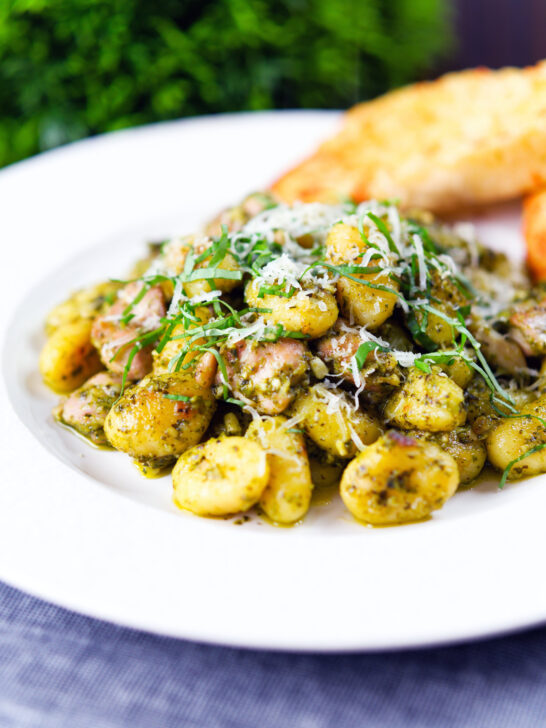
column 528, row 327
column 266, row 374
column 471, row 137
column 498, row 349
column 174, row 256
column 380, row 372
column 234, row 218
column 114, row 340
column 85, row 410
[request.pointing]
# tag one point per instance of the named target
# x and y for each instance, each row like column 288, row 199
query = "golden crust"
column 471, row 137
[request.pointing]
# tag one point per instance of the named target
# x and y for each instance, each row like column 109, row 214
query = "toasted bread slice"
column 534, row 231
column 477, row 136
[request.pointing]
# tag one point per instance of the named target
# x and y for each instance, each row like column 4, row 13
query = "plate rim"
column 532, row 618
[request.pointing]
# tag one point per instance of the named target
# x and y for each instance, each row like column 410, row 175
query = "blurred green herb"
column 73, row 69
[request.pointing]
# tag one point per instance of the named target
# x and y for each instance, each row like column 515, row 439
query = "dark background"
column 498, row 33
column 74, row 68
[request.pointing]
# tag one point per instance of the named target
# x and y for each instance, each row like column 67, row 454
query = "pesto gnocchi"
column 287, row 495
column 209, row 481
column 398, row 479
column 288, row 349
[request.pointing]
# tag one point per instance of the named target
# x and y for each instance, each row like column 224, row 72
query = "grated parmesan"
column 418, row 243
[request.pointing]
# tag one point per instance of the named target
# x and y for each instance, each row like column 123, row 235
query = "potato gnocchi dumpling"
column 287, row 495
column 326, row 470
column 68, row 357
column 365, row 299
column 514, row 437
column 484, row 411
column 208, row 479
column 84, row 304
column 330, row 419
column 269, row 353
column 427, row 401
column 160, row 417
column 434, row 323
column 464, row 447
column 307, row 313
column 398, row 479
column 459, row 372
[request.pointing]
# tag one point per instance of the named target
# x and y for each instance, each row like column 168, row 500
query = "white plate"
column 81, row 528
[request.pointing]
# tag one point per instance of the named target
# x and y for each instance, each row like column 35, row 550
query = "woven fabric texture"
column 62, row 670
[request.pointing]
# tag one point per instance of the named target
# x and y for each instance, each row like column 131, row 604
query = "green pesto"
column 410, row 285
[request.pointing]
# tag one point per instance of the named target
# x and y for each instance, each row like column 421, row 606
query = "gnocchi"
column 428, row 401
column 69, row 358
column 287, row 349
column 160, row 417
column 331, row 421
column 84, row 304
column 308, row 313
column 368, row 299
column 519, row 442
column 209, row 481
column 463, row 445
column 287, row 495
column 398, row 479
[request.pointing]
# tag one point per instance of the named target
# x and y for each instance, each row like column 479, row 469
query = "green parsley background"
column 73, row 68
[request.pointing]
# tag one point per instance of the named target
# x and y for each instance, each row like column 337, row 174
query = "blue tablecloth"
column 59, row 669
